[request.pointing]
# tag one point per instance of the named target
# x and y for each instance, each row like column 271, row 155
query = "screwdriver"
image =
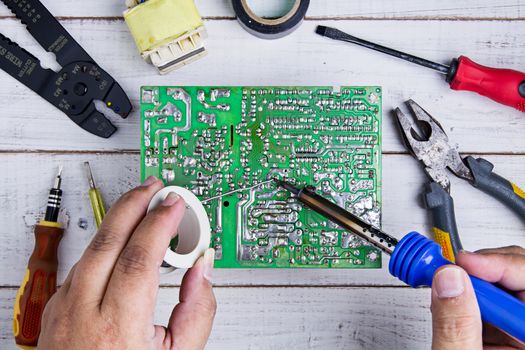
column 505, row 86
column 39, row 282
column 94, row 196
column 415, row 258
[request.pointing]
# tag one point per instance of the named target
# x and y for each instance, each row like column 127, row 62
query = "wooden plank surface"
column 274, row 309
column 304, row 58
column 343, row 9
column 299, row 318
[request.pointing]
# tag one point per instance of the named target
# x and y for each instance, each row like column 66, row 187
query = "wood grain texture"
column 275, row 309
column 483, row 222
column 299, row 318
column 479, row 124
column 343, row 9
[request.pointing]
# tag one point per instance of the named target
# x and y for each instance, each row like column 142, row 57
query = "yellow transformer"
column 168, row 33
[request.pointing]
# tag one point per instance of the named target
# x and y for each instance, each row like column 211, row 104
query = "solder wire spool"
column 194, row 230
column 270, row 28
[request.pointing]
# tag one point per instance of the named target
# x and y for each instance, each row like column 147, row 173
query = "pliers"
column 80, row 81
column 431, row 146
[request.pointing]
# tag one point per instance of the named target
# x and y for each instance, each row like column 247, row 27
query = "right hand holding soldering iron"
column 108, row 300
column 455, row 312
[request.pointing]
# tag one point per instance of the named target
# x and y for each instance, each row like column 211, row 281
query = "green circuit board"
column 227, row 143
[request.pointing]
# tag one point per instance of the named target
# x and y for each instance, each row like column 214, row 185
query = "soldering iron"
column 415, row 259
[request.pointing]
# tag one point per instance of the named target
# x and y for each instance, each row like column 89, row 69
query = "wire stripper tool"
column 431, row 146
column 80, row 81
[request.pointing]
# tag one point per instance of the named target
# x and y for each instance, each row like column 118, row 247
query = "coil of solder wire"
column 270, row 28
column 193, row 234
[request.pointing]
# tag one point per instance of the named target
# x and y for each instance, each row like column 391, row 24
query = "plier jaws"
column 425, row 138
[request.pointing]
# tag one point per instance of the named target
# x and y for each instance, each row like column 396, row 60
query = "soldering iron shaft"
column 342, row 217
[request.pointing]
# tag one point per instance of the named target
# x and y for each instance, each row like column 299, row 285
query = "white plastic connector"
column 131, row 3
column 181, row 51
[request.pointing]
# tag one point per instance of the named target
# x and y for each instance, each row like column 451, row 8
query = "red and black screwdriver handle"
column 505, row 86
column 441, row 204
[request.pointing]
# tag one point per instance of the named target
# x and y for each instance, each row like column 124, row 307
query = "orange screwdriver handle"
column 38, row 286
column 505, row 86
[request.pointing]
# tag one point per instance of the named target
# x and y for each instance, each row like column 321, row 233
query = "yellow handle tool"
column 94, row 196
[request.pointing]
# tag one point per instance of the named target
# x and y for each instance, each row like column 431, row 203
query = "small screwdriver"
column 504, row 86
column 415, row 259
column 94, row 196
column 39, row 282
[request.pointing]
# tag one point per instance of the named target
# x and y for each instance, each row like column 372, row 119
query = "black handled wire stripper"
column 80, row 81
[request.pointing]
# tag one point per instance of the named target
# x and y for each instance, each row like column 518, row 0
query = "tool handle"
column 496, row 186
column 441, row 206
column 39, row 284
column 97, row 205
column 415, row 260
column 505, row 86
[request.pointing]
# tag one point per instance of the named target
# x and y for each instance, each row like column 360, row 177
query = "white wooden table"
column 263, row 309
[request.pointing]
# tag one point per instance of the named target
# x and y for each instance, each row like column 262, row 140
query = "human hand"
column 456, row 319
column 108, row 299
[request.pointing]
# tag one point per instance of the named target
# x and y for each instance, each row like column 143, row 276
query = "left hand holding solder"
column 455, row 312
column 108, row 300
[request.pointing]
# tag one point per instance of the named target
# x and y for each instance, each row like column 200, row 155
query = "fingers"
column 96, row 264
column 192, row 319
column 513, row 249
column 496, row 266
column 135, row 279
column 456, row 320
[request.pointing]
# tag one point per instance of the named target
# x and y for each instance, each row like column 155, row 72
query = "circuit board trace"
column 227, row 143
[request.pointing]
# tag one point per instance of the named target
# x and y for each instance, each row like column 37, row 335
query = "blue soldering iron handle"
column 415, row 260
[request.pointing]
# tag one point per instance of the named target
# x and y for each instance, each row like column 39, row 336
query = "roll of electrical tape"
column 273, row 28
column 194, row 230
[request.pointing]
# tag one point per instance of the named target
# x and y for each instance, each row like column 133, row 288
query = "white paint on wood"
column 483, row 222
column 304, row 58
column 299, row 318
column 380, row 9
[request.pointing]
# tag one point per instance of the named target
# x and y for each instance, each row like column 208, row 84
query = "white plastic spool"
column 194, row 230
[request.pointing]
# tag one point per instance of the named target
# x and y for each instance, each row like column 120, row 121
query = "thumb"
column 456, row 320
column 192, row 319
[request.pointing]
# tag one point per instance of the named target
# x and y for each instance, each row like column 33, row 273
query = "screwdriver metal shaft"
column 505, row 86
column 336, row 34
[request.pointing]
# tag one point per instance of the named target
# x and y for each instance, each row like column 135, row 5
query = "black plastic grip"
column 496, row 186
column 47, row 31
column 23, row 66
column 441, row 206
